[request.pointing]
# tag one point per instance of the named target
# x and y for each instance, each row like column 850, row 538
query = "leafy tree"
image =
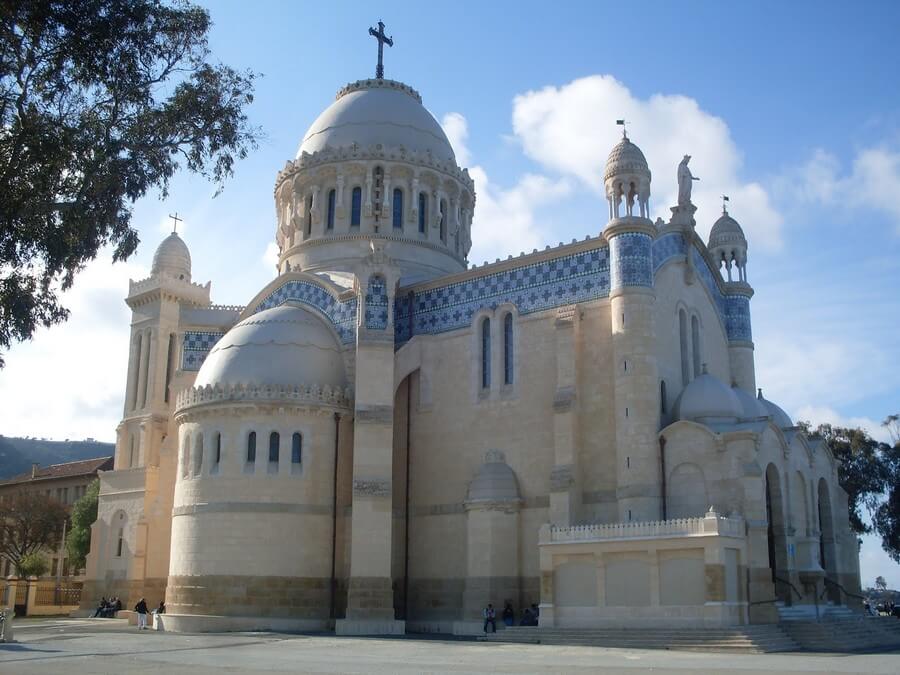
column 84, row 513
column 100, row 102
column 29, row 521
column 34, row 565
column 870, row 474
column 880, row 583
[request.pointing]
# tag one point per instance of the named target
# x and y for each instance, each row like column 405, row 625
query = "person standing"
column 141, row 609
column 509, row 616
column 490, row 617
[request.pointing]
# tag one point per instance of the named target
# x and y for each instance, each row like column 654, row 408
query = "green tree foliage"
column 84, row 513
column 100, row 102
column 870, row 474
column 29, row 522
column 33, row 565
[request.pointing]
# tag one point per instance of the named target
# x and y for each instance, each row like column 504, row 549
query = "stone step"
column 851, row 634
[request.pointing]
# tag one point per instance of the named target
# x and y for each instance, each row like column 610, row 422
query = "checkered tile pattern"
column 195, row 346
column 531, row 288
column 376, row 304
column 631, row 260
column 733, row 309
column 665, row 247
column 342, row 314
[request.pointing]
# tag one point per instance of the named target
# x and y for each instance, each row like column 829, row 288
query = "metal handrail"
column 844, row 590
column 793, row 588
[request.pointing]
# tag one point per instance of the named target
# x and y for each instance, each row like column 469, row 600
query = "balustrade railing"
column 711, row 524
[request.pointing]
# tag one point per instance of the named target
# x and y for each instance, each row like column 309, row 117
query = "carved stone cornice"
column 307, row 394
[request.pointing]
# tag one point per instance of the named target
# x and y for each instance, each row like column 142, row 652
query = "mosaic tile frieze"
column 195, row 346
column 631, row 260
column 376, row 312
column 665, row 247
column 531, row 288
column 734, row 310
column 342, row 314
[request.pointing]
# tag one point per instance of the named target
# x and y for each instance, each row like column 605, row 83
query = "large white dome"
column 372, row 112
column 284, row 346
column 707, row 400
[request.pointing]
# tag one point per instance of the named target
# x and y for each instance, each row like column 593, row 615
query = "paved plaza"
column 97, row 646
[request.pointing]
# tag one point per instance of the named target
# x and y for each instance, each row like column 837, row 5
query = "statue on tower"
column 685, row 181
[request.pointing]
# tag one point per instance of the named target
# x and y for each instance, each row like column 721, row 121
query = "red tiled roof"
column 83, row 467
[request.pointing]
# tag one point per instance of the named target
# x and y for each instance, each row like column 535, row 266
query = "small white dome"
column 372, row 112
column 173, row 258
column 752, row 408
column 626, row 158
column 779, row 417
column 495, row 480
column 726, row 232
column 285, row 346
column 707, row 399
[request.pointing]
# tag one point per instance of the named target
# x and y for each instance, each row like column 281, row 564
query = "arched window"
column 329, row 223
column 198, row 455
column 170, row 365
column 274, row 443
column 296, row 448
column 251, row 447
column 423, row 211
column 309, row 215
column 355, row 206
column 217, row 456
column 682, row 332
column 186, row 457
column 443, row 228
column 398, row 208
column 695, row 344
column 486, row 353
column 120, row 543
column 508, row 348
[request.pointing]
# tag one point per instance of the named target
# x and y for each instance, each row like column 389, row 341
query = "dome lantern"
column 728, row 245
column 627, row 179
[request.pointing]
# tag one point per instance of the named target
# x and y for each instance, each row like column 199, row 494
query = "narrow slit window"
column 397, row 205
column 423, row 212
column 329, row 223
column 274, row 443
column 218, row 452
column 296, row 448
column 443, row 228
column 251, row 447
column 355, row 206
column 486, row 353
column 198, row 455
column 508, row 348
column 309, row 202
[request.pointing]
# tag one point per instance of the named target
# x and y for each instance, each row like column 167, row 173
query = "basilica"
column 385, row 438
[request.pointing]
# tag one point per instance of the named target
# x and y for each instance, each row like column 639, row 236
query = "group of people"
column 107, row 609
column 882, row 609
column 529, row 616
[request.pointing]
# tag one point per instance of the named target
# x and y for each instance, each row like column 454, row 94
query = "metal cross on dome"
column 382, row 41
column 175, row 221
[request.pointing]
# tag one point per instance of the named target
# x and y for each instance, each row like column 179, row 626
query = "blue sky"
column 793, row 109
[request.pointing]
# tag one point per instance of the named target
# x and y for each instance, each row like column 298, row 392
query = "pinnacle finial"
column 622, row 124
column 724, row 204
column 175, row 221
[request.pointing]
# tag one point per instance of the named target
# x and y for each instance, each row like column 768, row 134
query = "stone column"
column 414, row 202
column 340, row 212
column 370, row 597
column 740, row 337
column 547, row 617
column 152, row 380
column 565, row 483
column 636, row 379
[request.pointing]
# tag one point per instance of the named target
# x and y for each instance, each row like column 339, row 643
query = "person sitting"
column 509, row 616
column 117, row 605
column 527, row 618
column 162, row 608
column 101, row 608
column 490, row 617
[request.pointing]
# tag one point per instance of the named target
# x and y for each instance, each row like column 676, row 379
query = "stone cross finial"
column 382, row 40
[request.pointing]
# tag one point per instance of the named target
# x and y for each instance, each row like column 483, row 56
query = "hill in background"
column 18, row 454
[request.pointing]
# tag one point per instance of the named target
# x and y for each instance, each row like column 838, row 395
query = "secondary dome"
column 779, row 417
column 752, row 407
column 372, row 112
column 283, row 346
column 173, row 258
column 626, row 158
column 726, row 231
column 707, row 399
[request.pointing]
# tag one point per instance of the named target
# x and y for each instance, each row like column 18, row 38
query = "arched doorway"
column 826, row 541
column 775, row 535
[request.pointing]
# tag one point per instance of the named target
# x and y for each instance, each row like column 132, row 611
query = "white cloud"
column 817, row 415
column 570, row 129
column 69, row 380
column 873, row 181
column 504, row 221
column 270, row 257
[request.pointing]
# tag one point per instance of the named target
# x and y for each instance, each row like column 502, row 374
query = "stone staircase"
column 746, row 639
column 842, row 634
column 827, row 611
